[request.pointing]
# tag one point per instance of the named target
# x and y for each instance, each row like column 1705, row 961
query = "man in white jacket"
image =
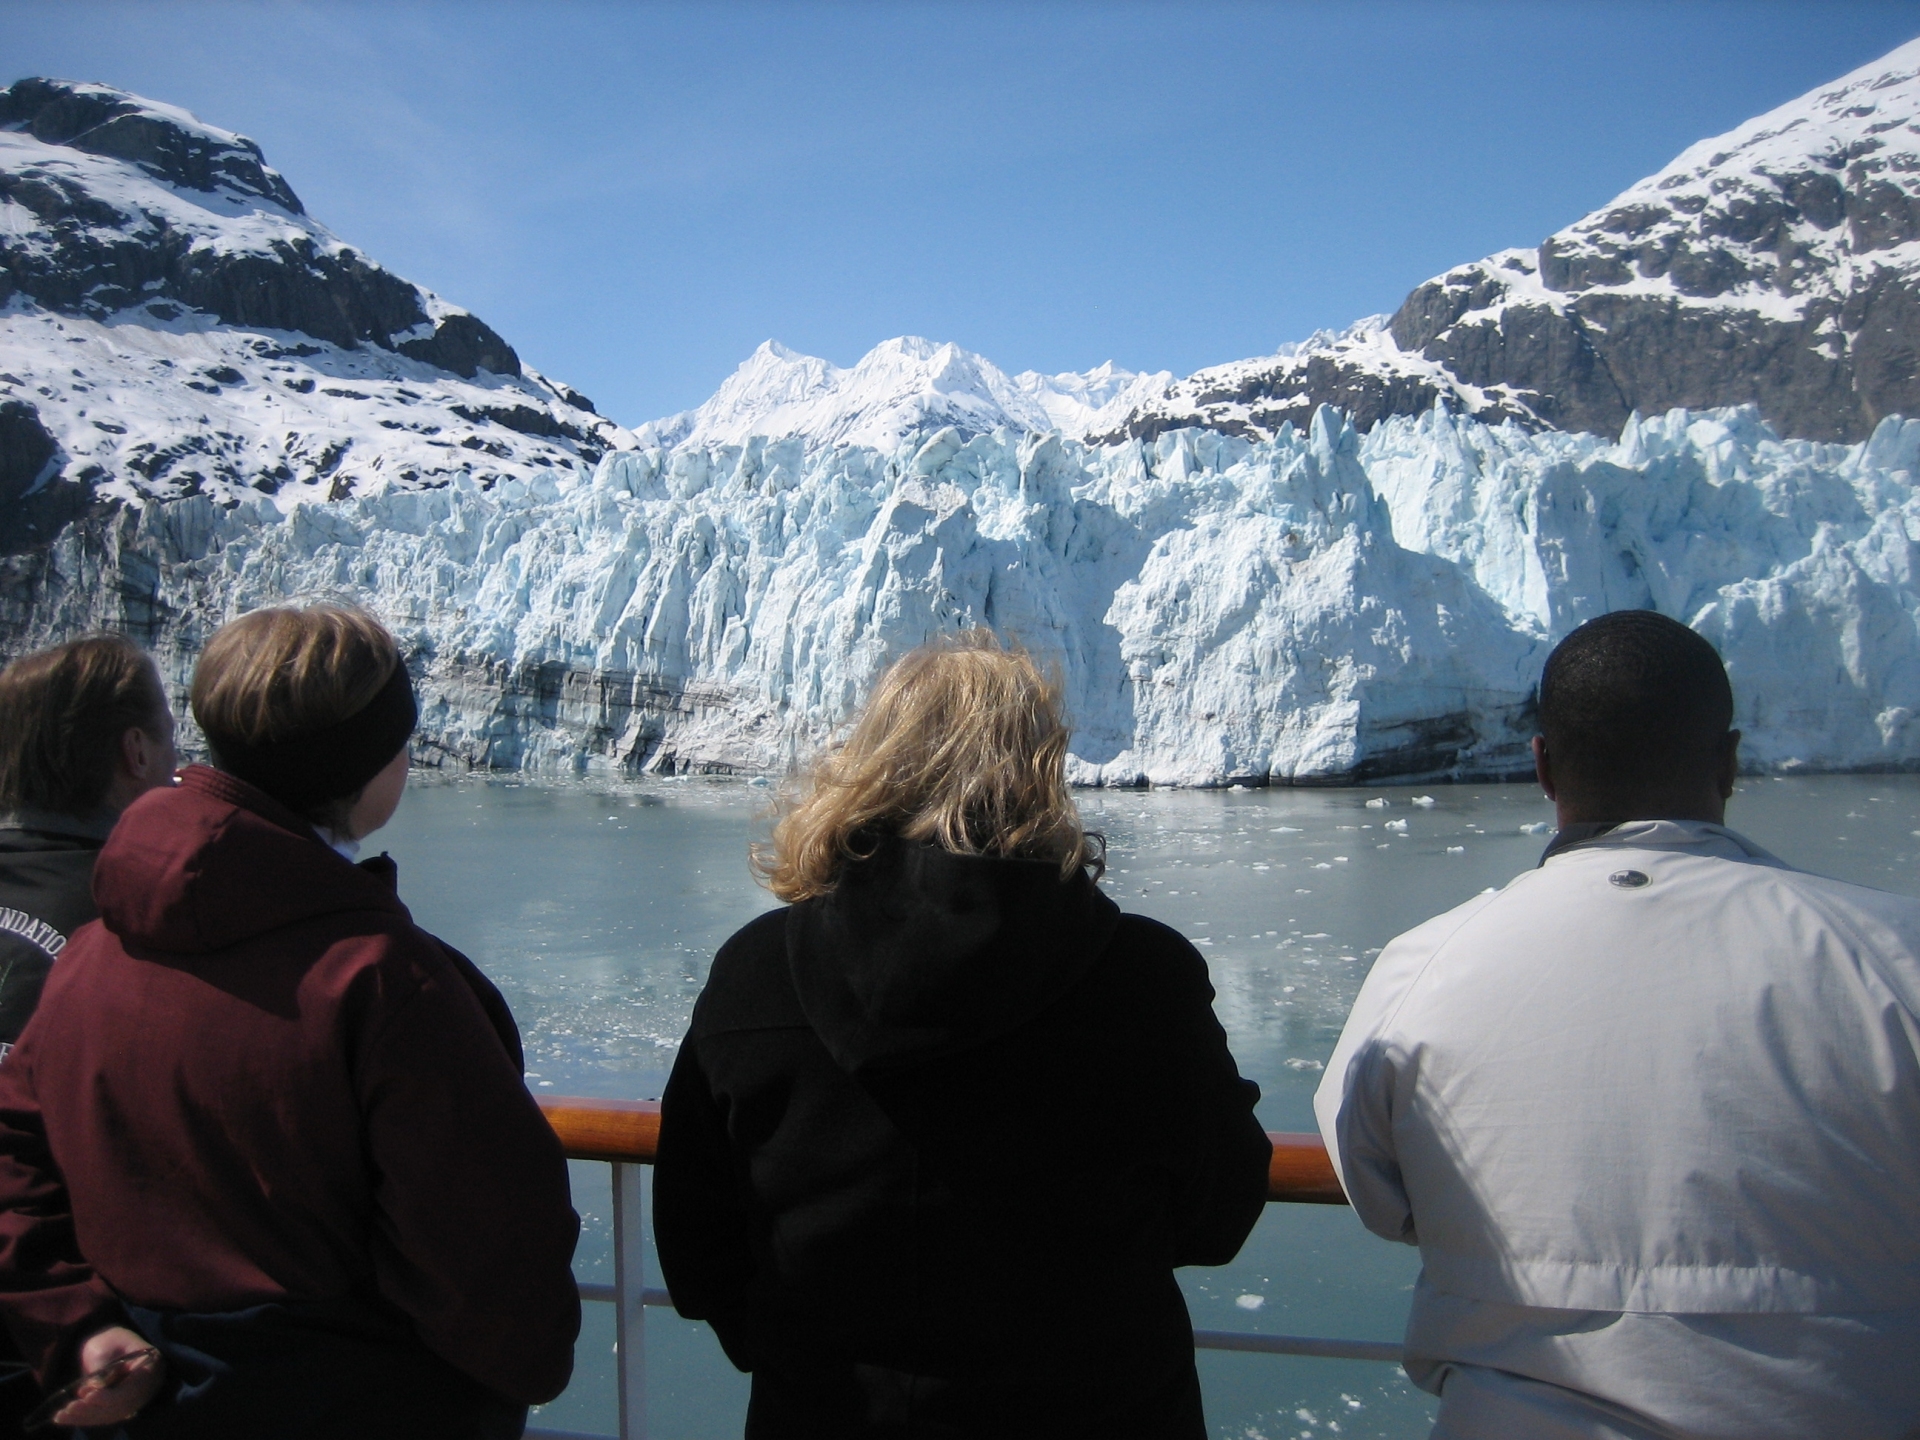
column 1652, row 1111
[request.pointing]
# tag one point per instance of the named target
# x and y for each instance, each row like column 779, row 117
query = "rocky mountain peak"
column 173, row 323
column 167, row 143
column 1776, row 265
column 115, row 203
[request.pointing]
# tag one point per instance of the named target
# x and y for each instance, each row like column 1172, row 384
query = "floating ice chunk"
column 1295, row 830
column 1425, row 802
column 1251, row 1302
column 1456, row 849
column 1339, row 859
column 1538, row 827
column 1323, row 865
column 1379, row 802
column 1399, row 827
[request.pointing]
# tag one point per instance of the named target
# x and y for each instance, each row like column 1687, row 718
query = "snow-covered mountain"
column 1238, row 580
column 1777, row 265
column 898, row 389
column 172, row 323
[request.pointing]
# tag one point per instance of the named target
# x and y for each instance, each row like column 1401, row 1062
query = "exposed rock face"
column 1777, row 265
column 174, row 323
column 31, row 510
column 98, row 249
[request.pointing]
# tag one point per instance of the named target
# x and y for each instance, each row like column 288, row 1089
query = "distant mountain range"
column 1777, row 266
column 1339, row 561
column 897, row 390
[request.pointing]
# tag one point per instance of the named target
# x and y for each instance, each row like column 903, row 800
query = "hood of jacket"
column 919, row 953
column 212, row 862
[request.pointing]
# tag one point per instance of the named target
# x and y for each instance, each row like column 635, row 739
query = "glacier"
column 1343, row 561
column 1322, row 606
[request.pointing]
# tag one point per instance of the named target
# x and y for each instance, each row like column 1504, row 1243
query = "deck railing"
column 626, row 1135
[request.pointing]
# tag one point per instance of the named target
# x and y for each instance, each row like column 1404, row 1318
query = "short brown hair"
column 63, row 712
column 284, row 673
column 963, row 743
column 280, row 673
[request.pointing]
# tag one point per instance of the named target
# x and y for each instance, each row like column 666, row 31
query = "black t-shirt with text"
column 46, row 893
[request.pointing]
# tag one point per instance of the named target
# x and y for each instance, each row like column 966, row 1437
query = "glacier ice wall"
column 1317, row 606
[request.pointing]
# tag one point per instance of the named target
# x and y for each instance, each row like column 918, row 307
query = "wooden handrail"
column 629, row 1130
column 1301, row 1172
column 625, row 1130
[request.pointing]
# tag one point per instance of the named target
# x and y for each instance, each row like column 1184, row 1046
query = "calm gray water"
column 596, row 908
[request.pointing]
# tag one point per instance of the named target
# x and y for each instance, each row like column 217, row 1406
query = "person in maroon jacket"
column 265, row 1148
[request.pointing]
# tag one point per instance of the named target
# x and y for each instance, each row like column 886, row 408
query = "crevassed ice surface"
column 597, row 907
column 1319, row 604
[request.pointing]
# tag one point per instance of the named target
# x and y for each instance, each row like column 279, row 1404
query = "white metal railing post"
column 629, row 1286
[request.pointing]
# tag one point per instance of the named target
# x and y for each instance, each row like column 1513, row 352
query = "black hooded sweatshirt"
column 933, row 1147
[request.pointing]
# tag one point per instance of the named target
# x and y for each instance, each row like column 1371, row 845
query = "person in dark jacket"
column 295, row 1153
column 941, row 1129
column 84, row 730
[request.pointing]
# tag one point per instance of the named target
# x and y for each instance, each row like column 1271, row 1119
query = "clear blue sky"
column 636, row 195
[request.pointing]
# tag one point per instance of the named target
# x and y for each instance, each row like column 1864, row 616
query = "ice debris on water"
column 1425, row 802
column 1537, row 827
column 1456, row 849
column 1399, row 827
column 1379, row 802
column 1251, row 1302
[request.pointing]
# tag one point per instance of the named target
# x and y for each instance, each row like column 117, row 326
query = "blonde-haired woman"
column 300, row 1189
column 942, row 1128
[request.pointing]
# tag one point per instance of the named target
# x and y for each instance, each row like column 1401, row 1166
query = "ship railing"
column 625, row 1134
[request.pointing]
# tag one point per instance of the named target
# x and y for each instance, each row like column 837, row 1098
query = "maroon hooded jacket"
column 257, row 1080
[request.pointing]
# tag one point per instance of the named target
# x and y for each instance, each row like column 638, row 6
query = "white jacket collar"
column 1699, row 836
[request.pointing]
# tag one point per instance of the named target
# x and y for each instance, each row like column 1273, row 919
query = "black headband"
column 330, row 764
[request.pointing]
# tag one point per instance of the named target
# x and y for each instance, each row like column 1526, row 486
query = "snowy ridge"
column 1773, row 193
column 173, row 323
column 158, row 409
column 1776, row 265
column 900, row 388
column 1321, row 606
column 1361, row 369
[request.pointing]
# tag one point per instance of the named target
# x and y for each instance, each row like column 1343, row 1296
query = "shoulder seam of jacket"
column 1387, row 1020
